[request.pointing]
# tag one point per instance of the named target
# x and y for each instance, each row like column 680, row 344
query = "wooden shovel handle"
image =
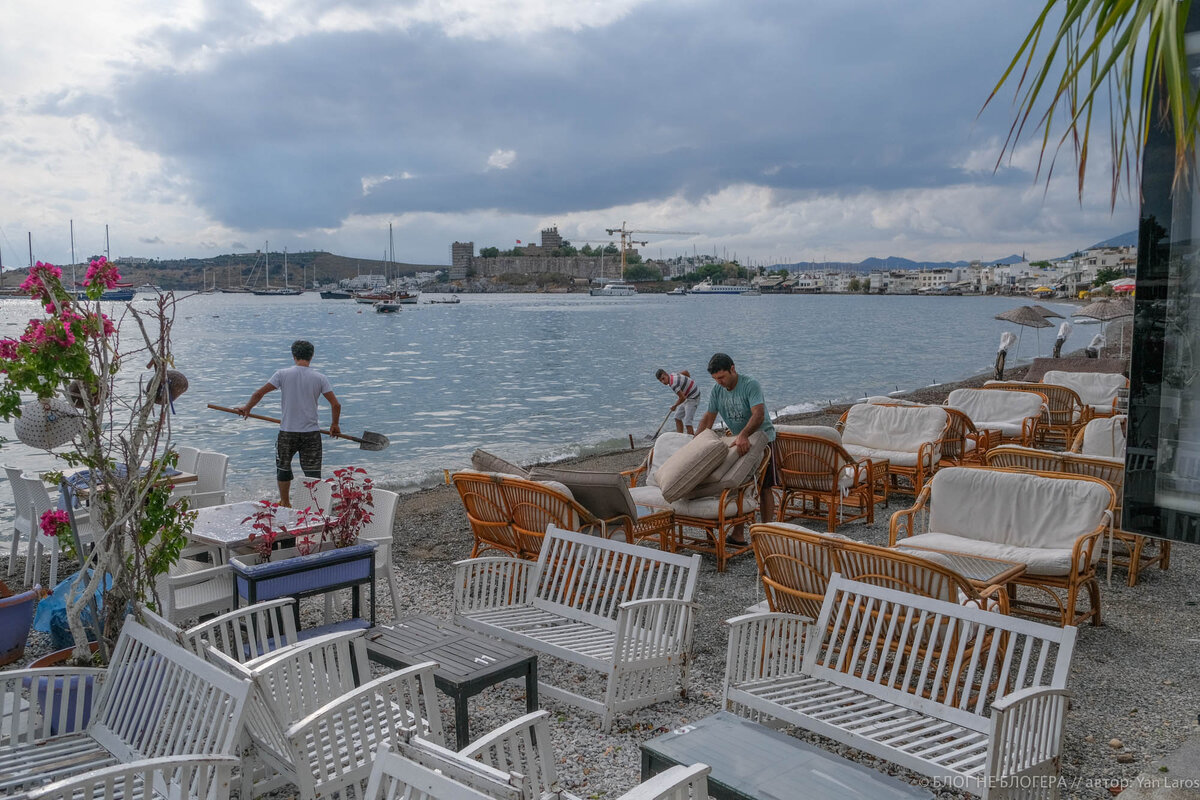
column 265, row 418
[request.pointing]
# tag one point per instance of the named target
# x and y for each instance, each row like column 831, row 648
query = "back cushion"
column 1104, row 438
column 820, row 431
column 1093, row 388
column 690, row 465
column 995, row 405
column 899, row 428
column 665, row 446
column 602, row 493
column 1014, row 508
column 484, row 461
column 734, row 470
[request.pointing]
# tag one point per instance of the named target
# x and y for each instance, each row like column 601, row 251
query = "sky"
column 777, row 131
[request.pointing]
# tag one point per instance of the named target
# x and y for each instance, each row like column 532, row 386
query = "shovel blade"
column 373, row 441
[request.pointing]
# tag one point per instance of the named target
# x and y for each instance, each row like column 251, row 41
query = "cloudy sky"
column 778, row 130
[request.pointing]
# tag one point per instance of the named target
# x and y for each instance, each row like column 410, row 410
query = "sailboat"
column 276, row 291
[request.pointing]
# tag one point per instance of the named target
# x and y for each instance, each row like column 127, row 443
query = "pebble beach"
column 1135, row 679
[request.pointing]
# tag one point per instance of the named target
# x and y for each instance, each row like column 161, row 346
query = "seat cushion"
column 649, row 497
column 708, row 507
column 820, row 431
column 691, row 464
column 483, row 461
column 1015, row 508
column 1037, row 560
column 605, row 494
column 665, row 446
column 896, row 457
column 735, row 470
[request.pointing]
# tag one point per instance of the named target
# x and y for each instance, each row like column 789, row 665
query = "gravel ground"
column 1136, row 678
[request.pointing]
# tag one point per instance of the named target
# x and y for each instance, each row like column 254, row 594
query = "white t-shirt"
column 301, row 388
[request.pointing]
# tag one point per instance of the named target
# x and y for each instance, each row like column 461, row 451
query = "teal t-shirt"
column 734, row 407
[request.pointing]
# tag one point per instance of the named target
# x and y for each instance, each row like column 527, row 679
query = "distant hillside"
column 889, row 263
column 1124, row 240
column 236, row 269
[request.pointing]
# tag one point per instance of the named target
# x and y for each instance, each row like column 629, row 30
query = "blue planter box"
column 289, row 574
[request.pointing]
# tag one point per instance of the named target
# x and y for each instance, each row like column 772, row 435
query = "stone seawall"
column 574, row 266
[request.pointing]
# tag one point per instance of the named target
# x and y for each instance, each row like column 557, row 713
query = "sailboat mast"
column 285, row 269
column 73, row 282
column 267, row 262
column 107, row 252
column 30, row 249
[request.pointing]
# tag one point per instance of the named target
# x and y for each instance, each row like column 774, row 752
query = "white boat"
column 614, row 289
column 387, row 306
column 678, row 291
column 450, row 300
column 148, row 288
column 706, row 286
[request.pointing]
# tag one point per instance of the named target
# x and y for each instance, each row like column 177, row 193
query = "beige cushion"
column 604, row 494
column 734, row 470
column 1104, row 438
column 1096, row 389
column 648, row 496
column 820, row 431
column 884, row 400
column 483, row 461
column 1037, row 560
column 893, row 428
column 690, row 465
column 665, row 446
column 898, row 458
column 1013, row 508
column 707, row 507
column 996, row 408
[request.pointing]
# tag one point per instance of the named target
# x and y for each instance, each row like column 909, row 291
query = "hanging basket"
column 75, row 393
column 176, row 384
column 46, row 424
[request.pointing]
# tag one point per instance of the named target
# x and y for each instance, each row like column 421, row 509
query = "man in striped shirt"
column 688, row 392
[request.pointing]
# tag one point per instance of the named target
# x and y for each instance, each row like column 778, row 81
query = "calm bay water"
column 539, row 377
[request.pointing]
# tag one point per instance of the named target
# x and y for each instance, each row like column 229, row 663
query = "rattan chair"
column 1065, row 413
column 815, row 478
column 487, row 512
column 908, row 437
column 963, row 443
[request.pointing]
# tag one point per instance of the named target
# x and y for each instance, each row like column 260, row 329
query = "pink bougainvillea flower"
column 54, row 521
column 35, row 284
column 102, row 270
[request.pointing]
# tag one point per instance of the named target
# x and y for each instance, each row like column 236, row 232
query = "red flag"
column 518, row 241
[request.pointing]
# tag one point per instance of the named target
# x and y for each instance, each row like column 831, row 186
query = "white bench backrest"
column 1014, row 508
column 161, row 700
column 942, row 659
column 586, row 577
column 900, row 428
column 1093, row 388
column 988, row 407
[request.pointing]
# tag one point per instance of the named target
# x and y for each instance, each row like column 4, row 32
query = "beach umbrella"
column 1046, row 313
column 1025, row 317
column 1123, row 285
column 1106, row 310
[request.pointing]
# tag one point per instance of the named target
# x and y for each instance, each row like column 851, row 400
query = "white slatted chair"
column 185, row 463
column 22, row 523
column 394, row 777
column 193, row 589
column 379, row 530
column 166, row 778
column 247, row 633
column 211, row 469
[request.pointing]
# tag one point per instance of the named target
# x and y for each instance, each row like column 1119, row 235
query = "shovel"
column 654, row 435
column 368, row 441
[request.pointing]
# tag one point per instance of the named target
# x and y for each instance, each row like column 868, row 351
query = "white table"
column 222, row 526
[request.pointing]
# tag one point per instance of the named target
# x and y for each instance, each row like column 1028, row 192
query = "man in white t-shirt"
column 300, row 388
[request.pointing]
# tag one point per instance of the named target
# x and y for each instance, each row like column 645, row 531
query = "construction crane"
column 627, row 240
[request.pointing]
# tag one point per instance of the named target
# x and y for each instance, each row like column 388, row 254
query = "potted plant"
column 70, row 362
column 331, row 560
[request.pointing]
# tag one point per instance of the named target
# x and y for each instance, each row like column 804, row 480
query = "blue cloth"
column 56, row 601
column 83, row 478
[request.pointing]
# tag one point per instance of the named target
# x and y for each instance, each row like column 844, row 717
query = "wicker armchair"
column 487, row 512
column 964, row 443
column 1098, row 390
column 909, row 438
column 817, row 479
column 1006, row 416
column 1065, row 412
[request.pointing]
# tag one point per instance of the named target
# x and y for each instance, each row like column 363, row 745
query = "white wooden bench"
column 624, row 610
column 157, row 700
column 515, row 762
column 970, row 697
column 290, row 685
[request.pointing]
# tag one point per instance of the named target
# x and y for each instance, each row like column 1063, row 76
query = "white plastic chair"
column 209, row 490
column 21, row 520
column 187, row 458
column 379, row 530
column 39, row 503
column 320, row 496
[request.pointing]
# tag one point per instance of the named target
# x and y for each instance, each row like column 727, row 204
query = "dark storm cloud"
column 672, row 99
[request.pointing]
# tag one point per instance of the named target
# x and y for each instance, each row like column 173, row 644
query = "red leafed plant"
column 264, row 532
column 349, row 512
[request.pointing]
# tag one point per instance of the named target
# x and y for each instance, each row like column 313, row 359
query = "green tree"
column 586, row 250
column 714, row 272
column 866, row 286
column 1040, row 264
column 641, row 272
column 610, row 249
column 1126, row 50
column 854, row 285
column 489, row 252
column 1106, row 274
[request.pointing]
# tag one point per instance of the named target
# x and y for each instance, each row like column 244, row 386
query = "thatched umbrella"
column 1026, row 317
column 1106, row 309
column 1045, row 312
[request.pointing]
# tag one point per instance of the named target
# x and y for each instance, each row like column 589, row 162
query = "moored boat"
column 335, row 294
column 614, row 289
column 678, row 291
column 387, row 306
column 706, row 286
column 450, row 300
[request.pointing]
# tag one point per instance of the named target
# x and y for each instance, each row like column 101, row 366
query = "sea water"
column 536, row 377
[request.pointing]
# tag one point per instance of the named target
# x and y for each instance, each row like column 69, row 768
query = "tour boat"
column 614, row 289
column 706, row 286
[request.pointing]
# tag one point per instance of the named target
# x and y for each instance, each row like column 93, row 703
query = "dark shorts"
column 307, row 444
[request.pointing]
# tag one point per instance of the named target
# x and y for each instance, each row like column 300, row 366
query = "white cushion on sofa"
column 1096, row 389
column 1014, row 508
column 826, row 432
column 1037, row 560
column 996, row 408
column 1104, row 438
column 665, row 446
column 895, row 429
column 896, row 457
column 691, row 464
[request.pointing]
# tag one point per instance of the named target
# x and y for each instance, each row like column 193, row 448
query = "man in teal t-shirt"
column 739, row 401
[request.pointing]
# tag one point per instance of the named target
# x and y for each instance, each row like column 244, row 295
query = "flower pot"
column 16, row 618
column 290, row 574
column 52, row 693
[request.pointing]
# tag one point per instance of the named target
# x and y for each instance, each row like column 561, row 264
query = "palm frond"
column 1125, row 52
